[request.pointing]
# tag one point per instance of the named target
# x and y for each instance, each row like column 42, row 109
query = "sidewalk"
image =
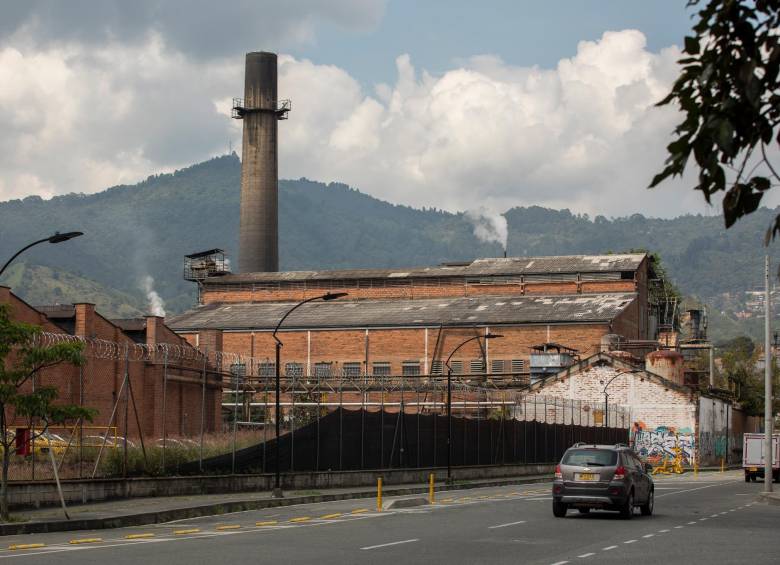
column 141, row 511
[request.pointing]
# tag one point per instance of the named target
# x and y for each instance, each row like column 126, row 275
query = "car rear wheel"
column 627, row 510
column 559, row 509
column 747, row 477
column 647, row 507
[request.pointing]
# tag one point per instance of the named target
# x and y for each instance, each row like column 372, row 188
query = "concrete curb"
column 771, row 498
column 407, row 502
column 162, row 516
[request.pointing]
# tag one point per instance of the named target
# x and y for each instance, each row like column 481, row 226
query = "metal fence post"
column 164, row 408
column 202, row 410
column 236, row 375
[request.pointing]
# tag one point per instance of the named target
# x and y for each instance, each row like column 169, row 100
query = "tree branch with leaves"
column 729, row 94
column 22, row 359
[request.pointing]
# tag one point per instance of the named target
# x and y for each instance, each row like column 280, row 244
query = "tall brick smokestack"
column 260, row 110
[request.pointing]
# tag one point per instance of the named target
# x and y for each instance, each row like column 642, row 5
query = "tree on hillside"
column 21, row 360
column 741, row 366
column 728, row 93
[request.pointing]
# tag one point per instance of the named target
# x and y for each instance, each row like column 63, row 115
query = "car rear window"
column 590, row 457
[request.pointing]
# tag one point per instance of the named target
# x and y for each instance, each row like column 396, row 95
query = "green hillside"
column 45, row 286
column 145, row 230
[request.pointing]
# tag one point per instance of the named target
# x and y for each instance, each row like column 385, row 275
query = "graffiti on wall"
column 656, row 445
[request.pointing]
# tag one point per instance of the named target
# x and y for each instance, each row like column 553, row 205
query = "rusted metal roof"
column 510, row 266
column 484, row 310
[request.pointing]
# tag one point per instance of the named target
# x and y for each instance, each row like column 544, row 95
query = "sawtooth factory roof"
column 510, row 266
column 484, row 310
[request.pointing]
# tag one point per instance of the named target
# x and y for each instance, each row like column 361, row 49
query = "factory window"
column 437, row 367
column 477, row 366
column 496, row 366
column 322, row 370
column 457, row 367
column 518, row 365
column 410, row 368
column 381, row 369
column 293, row 369
column 627, row 275
column 351, row 369
column 266, row 369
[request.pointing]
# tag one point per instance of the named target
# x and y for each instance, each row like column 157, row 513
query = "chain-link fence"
column 167, row 410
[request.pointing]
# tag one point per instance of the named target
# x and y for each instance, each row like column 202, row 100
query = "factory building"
column 405, row 322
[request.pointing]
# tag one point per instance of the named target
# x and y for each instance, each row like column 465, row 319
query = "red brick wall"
column 399, row 345
column 412, row 289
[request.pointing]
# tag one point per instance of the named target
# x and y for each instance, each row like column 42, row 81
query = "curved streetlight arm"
column 606, row 386
column 290, row 311
column 22, row 250
column 328, row 296
column 447, row 362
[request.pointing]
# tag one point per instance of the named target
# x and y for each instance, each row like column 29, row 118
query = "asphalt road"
column 712, row 519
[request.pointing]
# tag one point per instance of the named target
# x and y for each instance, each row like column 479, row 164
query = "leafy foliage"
column 728, row 92
column 21, row 360
column 740, row 365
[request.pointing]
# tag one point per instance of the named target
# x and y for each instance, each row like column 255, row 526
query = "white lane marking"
column 691, row 523
column 608, row 548
column 630, row 541
column 702, row 519
column 584, row 555
column 723, row 513
column 679, row 527
column 391, row 543
column 662, row 531
column 648, row 535
column 560, row 562
column 505, row 525
column 713, row 515
column 693, row 489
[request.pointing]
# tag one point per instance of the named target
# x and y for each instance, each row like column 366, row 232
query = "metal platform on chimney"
column 240, row 109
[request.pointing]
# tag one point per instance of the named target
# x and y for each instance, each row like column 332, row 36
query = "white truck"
column 753, row 456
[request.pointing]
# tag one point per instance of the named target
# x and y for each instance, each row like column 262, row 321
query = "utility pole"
column 767, row 383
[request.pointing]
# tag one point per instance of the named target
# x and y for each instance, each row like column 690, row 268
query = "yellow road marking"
column 359, row 511
column 229, row 527
column 329, row 516
column 446, row 500
column 268, row 523
column 85, row 540
column 301, row 519
column 138, row 536
column 182, row 532
column 26, row 546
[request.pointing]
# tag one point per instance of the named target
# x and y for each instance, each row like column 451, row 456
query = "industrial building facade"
column 406, row 322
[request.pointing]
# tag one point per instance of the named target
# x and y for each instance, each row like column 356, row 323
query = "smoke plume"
column 490, row 227
column 156, row 304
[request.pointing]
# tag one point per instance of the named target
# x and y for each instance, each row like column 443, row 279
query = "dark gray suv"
column 606, row 477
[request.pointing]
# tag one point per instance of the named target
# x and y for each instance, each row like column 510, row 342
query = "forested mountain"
column 145, row 230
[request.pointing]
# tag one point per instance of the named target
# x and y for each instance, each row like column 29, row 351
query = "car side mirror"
column 648, row 468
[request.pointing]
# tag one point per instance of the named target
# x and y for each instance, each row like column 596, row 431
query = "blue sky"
column 438, row 33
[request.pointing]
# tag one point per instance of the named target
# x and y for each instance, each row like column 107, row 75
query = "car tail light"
column 558, row 474
column 620, row 473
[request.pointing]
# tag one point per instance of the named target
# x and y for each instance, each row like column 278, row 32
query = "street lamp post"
column 606, row 394
column 449, row 396
column 56, row 238
column 277, row 492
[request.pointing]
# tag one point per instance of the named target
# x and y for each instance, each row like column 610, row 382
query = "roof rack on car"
column 581, row 444
column 621, row 445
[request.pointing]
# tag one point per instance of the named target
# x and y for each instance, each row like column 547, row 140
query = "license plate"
column 752, row 469
column 586, row 477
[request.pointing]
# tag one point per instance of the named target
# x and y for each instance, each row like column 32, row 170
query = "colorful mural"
column 655, row 445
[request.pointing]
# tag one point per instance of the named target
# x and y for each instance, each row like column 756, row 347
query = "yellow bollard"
column 696, row 469
column 379, row 494
column 722, row 464
column 430, row 489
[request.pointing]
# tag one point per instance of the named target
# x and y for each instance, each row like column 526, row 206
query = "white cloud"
column 584, row 135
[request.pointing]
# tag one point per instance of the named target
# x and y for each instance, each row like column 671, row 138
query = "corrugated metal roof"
column 492, row 310
column 480, row 267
